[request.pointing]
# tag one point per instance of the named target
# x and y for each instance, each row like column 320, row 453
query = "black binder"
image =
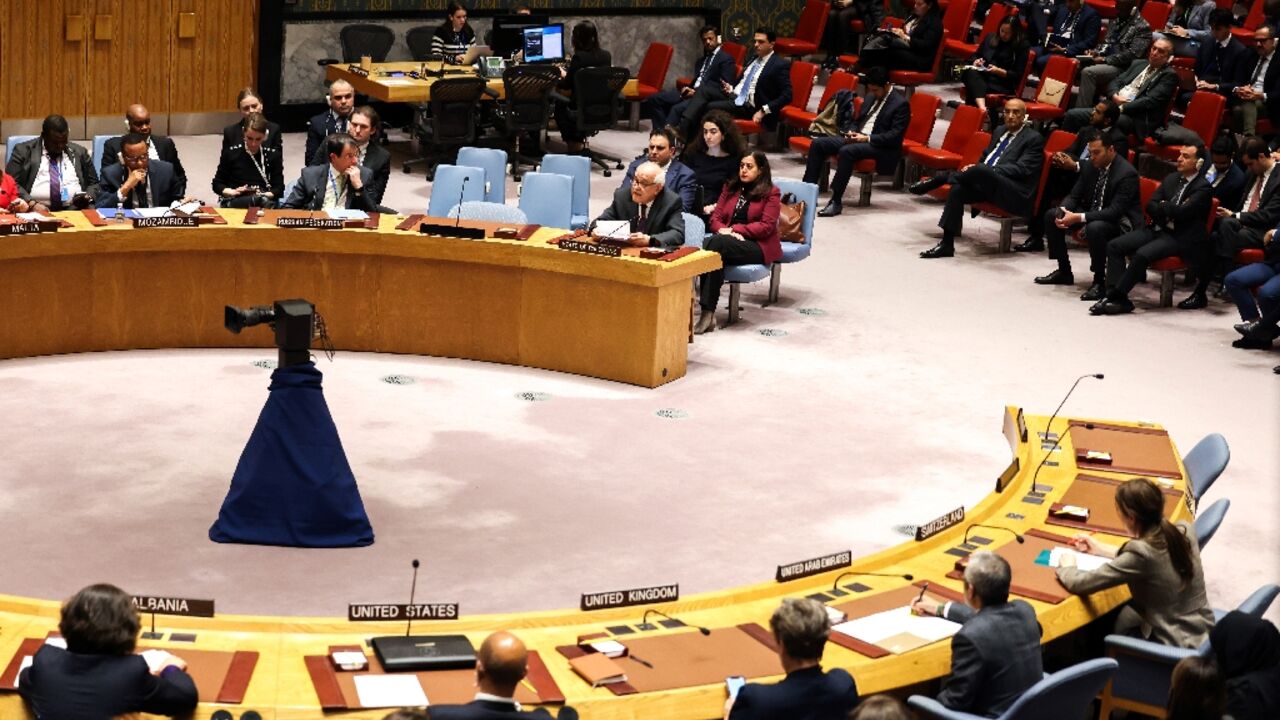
column 424, row 652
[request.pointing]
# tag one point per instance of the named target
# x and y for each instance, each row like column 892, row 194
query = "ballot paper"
column 35, row 217
column 380, row 691
column 898, row 630
column 346, row 214
column 613, row 228
column 153, row 212
column 1084, row 561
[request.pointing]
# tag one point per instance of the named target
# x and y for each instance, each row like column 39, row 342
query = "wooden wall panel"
column 44, row 72
column 129, row 57
column 210, row 68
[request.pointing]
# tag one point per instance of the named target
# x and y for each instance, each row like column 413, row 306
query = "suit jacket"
column 483, row 710
column 719, row 67
column 1148, row 106
column 376, row 158
column 1228, row 187
column 309, row 192
column 773, row 88
column 236, row 168
column 319, row 127
column 63, row 684
column 1121, row 201
column 25, row 164
column 681, row 180
column 1227, row 66
column 995, row 657
column 233, row 134
column 165, row 149
column 807, row 694
column 1268, row 213
column 1020, row 166
column 1270, row 83
column 1126, row 41
column 1196, row 21
column 162, row 186
column 1084, row 34
column 1186, row 220
column 762, row 220
column 665, row 222
column 1171, row 614
column 889, row 129
column 1079, row 148
column 924, row 38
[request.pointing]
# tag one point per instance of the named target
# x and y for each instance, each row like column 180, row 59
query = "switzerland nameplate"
column 935, row 526
column 628, row 598
column 187, row 607
column 372, row 612
column 165, row 222
column 816, row 566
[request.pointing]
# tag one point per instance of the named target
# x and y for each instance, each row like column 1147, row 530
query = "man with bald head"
column 500, row 666
column 138, row 120
column 342, row 100
column 652, row 210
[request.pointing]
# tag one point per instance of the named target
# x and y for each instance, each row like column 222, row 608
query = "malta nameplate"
column 591, row 248
column 186, row 607
column 937, row 525
column 165, row 222
column 629, row 598
column 22, row 228
column 815, row 566
column 313, row 223
column 382, row 612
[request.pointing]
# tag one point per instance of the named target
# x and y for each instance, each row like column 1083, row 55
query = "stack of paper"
column 380, row 691
column 898, row 630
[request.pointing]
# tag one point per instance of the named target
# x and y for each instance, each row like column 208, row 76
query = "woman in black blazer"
column 997, row 66
column 98, row 676
column 912, row 46
column 586, row 53
column 248, row 102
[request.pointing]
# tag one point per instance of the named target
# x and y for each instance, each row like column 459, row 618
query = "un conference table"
column 90, row 287
column 279, row 665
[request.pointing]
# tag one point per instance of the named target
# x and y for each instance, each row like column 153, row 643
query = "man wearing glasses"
column 678, row 177
column 1260, row 95
column 653, row 212
column 1007, row 174
column 1142, row 93
column 159, row 147
column 139, row 181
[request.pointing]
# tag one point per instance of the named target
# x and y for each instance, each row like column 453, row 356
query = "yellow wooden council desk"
column 517, row 302
column 282, row 686
column 392, row 82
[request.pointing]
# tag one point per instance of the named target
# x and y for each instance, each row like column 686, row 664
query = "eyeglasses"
column 135, row 158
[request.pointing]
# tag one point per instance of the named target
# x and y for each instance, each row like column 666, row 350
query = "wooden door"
column 214, row 54
column 128, row 62
column 44, row 45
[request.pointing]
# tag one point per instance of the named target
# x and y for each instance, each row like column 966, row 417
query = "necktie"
column 55, row 183
column 1182, row 187
column 1100, row 190
column 869, row 120
column 642, row 224
column 140, row 195
column 745, row 92
column 1256, row 196
column 706, row 65
column 995, row 154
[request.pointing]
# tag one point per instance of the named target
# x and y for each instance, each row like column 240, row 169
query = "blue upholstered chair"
column 484, row 210
column 1208, row 520
column 1205, row 463
column 99, row 146
column 695, row 230
column 577, row 167
column 795, row 252
column 546, row 199
column 1064, row 695
column 448, row 190
column 494, row 162
column 11, row 143
column 1141, row 683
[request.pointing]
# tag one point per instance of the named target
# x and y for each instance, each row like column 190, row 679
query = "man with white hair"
column 652, row 210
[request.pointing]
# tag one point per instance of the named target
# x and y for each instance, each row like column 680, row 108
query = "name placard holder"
column 814, row 566
column 311, row 223
column 29, row 228
column 165, row 222
column 162, row 605
column 937, row 525
column 452, row 231
column 384, row 612
column 628, row 598
column 590, row 248
column 357, row 70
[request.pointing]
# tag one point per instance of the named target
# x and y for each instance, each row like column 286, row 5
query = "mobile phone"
column 733, row 684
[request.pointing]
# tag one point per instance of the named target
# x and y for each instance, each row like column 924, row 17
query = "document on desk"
column 619, row 229
column 347, row 214
column 898, row 630
column 398, row 82
column 379, row 691
column 154, row 212
column 1084, row 561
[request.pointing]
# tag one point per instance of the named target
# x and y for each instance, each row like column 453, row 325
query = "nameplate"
column 357, row 70
column 590, row 248
column 186, row 607
column 312, row 223
column 418, row 611
column 933, row 527
column 816, row 566
column 454, row 231
column 22, row 228
column 165, row 222
column 629, row 598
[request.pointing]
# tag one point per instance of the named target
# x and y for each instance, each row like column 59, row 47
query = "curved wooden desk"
column 506, row 301
column 281, row 687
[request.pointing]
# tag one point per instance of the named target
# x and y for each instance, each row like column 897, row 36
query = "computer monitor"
column 505, row 39
column 544, row 43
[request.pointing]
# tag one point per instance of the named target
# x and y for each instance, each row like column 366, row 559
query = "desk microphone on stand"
column 461, row 192
column 1058, row 439
column 413, row 590
column 1016, row 536
column 853, row 573
column 645, row 621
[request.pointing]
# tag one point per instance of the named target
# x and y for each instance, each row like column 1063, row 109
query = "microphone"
column 462, row 191
column 413, row 589
column 1015, row 535
column 1058, row 439
column 645, row 621
column 854, row 573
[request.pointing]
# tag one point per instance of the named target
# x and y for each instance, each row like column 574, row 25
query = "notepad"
column 613, row 228
column 1084, row 561
column 898, row 630
column 380, row 691
column 598, row 670
column 345, row 214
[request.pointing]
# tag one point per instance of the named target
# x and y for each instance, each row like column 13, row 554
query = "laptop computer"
column 474, row 53
column 399, row 653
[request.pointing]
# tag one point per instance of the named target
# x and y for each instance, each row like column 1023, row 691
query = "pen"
column 924, row 589
column 528, row 687
column 642, row 661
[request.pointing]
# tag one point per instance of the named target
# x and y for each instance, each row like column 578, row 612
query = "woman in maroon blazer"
column 744, row 229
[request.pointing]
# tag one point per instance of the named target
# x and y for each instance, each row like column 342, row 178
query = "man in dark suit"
column 50, row 172
column 342, row 100
column 1223, row 62
column 1242, row 226
column 501, row 664
column 652, row 209
column 714, row 67
column 1224, row 176
column 1007, row 175
column 1179, row 212
column 363, row 126
column 1105, row 202
column 679, row 178
column 995, row 657
column 1255, row 288
column 1074, row 30
column 876, row 131
column 1259, row 95
column 800, row 628
column 760, row 92
column 140, row 181
column 339, row 183
column 159, row 147
column 1142, row 93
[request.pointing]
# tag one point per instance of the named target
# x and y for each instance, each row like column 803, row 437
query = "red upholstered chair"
column 1156, row 13
column 956, row 18
column 801, row 143
column 1249, row 256
column 1059, row 68
column 966, row 122
column 1168, row 266
column 956, row 47
column 809, row 29
column 803, row 75
column 799, row 118
column 1105, row 8
column 924, row 115
column 650, row 79
column 1058, row 141
column 994, row 99
column 1204, row 115
column 909, row 79
column 974, row 145
column 1252, row 22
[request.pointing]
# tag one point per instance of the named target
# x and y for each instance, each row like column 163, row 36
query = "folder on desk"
column 598, row 669
column 424, row 652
